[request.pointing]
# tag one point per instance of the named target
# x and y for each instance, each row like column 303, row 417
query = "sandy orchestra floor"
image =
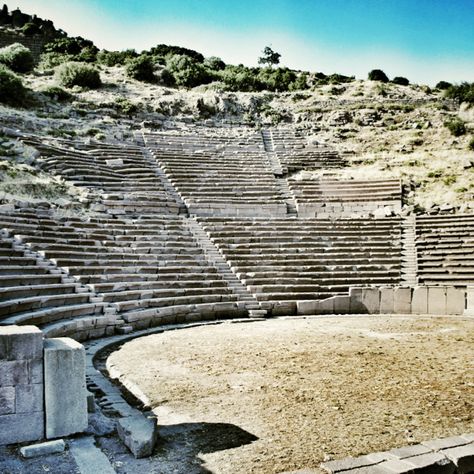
column 265, row 397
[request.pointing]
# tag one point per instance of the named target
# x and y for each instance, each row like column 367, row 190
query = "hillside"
column 386, row 130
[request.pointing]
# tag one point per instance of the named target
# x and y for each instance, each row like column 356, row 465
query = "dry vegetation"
column 388, row 136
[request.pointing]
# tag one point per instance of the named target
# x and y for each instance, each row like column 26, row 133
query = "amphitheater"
column 193, row 225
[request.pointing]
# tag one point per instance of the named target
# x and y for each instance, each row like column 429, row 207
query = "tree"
column 378, row 75
column 269, row 57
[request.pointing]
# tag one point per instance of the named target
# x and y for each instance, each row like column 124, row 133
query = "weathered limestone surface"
column 65, row 382
column 21, row 384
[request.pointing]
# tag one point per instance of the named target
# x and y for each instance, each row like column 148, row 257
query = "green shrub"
column 12, row 91
column 30, row 29
column 17, row 57
column 378, row 75
column 188, row 72
column 456, row 126
column 75, row 49
column 463, row 92
column 300, row 83
column 166, row 78
column 214, row 63
column 141, row 69
column 401, row 81
column 443, row 85
column 51, row 60
column 166, row 51
column 78, row 74
column 57, row 93
column 114, row 58
column 126, row 107
column 470, row 145
column 276, row 79
column 241, row 78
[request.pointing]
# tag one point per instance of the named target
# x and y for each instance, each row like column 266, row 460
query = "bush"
column 463, row 92
column 166, row 78
column 187, row 72
column 12, row 91
column 57, row 93
column 78, row 74
column 114, row 58
column 241, row 78
column 31, row 29
column 75, row 49
column 457, row 127
column 401, row 81
column 141, row 69
column 378, row 75
column 443, row 85
column 17, row 57
column 214, row 63
column 166, row 51
column 276, row 79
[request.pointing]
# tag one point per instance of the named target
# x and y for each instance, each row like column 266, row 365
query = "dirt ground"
column 286, row 394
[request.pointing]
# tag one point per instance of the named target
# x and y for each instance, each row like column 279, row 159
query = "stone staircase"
column 409, row 267
column 288, row 196
column 218, row 261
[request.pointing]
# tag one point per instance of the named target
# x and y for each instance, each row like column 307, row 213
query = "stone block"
column 419, row 300
column 407, row 451
column 21, row 428
column 20, row 342
column 29, row 398
column 139, row 434
column 455, row 301
column 371, row 300
column 342, row 304
column 436, row 300
column 387, row 300
column 13, row 372
column 445, row 443
column 7, row 401
column 402, row 300
column 307, row 307
column 43, row 449
column 356, row 306
column 65, row 387
column 434, row 463
column 469, row 311
column 326, row 306
column 462, row 457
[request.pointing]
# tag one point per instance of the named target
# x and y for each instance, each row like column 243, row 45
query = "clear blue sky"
column 424, row 40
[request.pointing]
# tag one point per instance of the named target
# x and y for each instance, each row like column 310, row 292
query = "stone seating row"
column 333, row 197
column 32, row 292
column 285, row 260
column 139, row 268
column 123, row 178
column 445, row 250
column 295, row 152
column 221, row 183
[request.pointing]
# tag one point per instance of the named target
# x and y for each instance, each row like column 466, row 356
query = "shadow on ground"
column 178, row 449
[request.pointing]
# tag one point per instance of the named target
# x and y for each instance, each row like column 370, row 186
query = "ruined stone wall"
column 21, row 384
column 34, row 43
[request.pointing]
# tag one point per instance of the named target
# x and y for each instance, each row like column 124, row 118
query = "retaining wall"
column 435, row 300
column 24, row 415
column 34, row 43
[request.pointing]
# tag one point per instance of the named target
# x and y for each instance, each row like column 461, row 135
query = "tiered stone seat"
column 125, row 180
column 445, row 248
column 219, row 175
column 295, row 153
column 149, row 270
column 285, row 260
column 34, row 293
column 334, row 197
